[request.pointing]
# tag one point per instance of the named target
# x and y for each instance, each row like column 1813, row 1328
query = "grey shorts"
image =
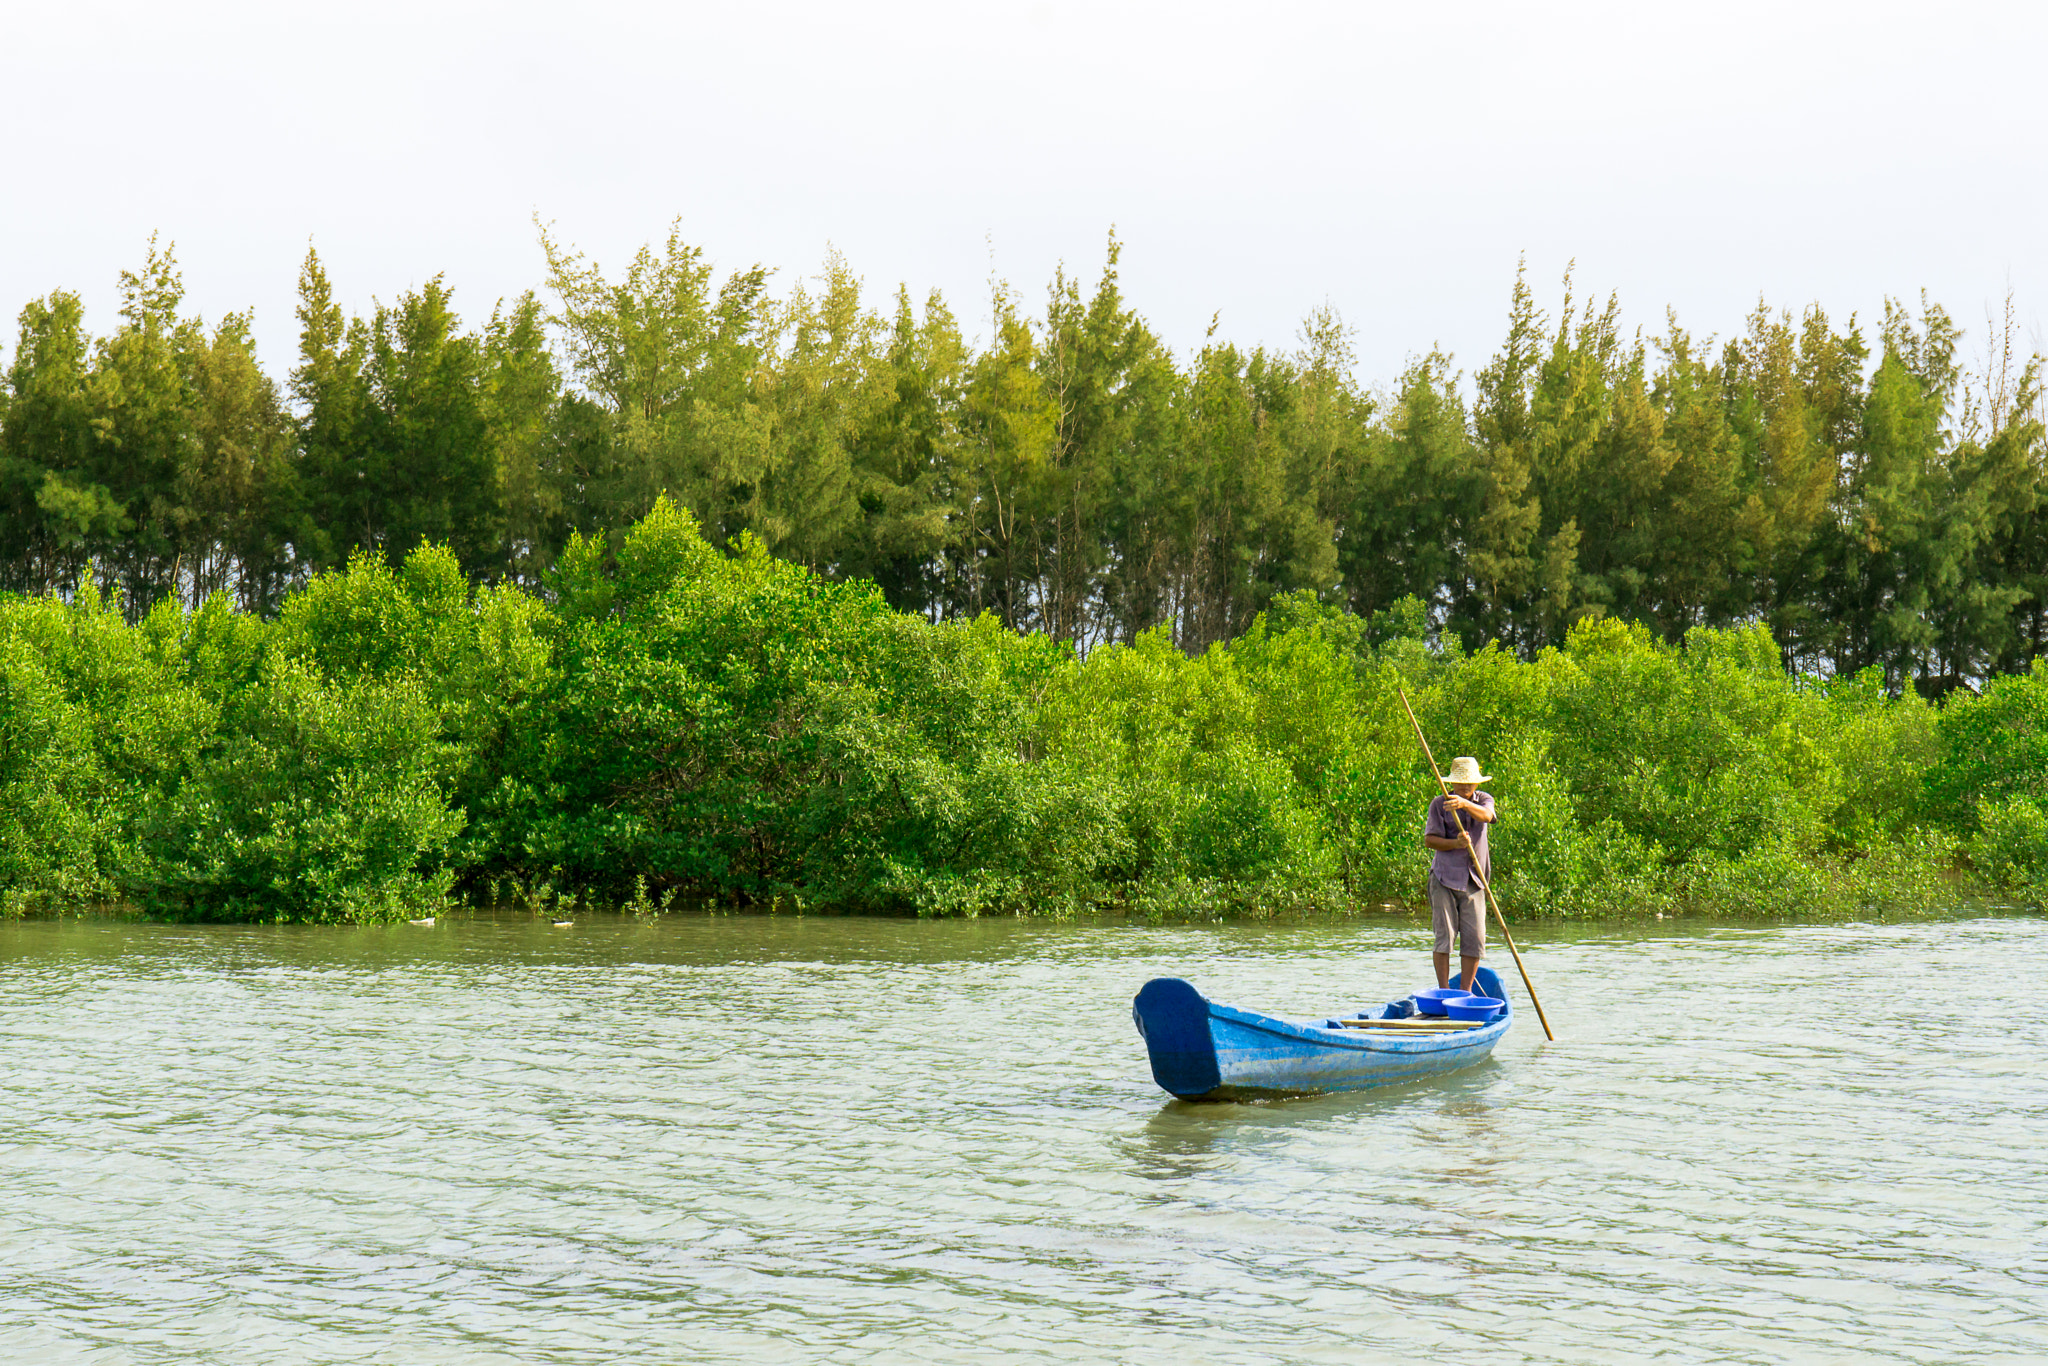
column 1461, row 909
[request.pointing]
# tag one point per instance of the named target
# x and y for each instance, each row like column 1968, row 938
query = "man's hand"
column 1454, row 803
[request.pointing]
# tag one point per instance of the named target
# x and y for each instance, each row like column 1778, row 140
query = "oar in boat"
column 1485, row 883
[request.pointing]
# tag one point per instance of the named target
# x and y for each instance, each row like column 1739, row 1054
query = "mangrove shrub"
column 673, row 718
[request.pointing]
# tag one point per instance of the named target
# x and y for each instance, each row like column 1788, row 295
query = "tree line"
column 1864, row 495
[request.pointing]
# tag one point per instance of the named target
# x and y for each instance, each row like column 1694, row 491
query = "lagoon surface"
column 780, row 1139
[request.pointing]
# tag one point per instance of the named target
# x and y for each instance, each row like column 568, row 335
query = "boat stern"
column 1173, row 1019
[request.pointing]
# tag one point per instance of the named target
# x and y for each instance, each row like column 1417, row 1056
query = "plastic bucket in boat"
column 1431, row 1001
column 1474, row 1007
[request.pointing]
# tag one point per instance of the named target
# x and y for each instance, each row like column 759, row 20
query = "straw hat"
column 1465, row 769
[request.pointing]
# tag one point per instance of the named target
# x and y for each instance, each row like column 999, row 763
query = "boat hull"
column 1206, row 1050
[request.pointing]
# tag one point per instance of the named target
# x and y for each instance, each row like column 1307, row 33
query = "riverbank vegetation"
column 1059, row 621
column 674, row 719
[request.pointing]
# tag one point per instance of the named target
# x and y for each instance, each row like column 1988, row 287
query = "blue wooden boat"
column 1206, row 1050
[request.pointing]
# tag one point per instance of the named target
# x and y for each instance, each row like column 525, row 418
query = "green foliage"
column 96, row 726
column 1061, row 619
column 57, row 825
column 322, row 803
column 677, row 720
column 478, row 660
column 737, row 723
column 1555, row 862
column 1873, row 502
column 1994, row 747
column 202, row 764
column 1202, row 781
column 2010, row 850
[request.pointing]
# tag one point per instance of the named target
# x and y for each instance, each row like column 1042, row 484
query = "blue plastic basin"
column 1474, row 1007
column 1431, row 1001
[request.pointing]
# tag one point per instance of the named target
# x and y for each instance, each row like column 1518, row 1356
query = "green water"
column 746, row 1139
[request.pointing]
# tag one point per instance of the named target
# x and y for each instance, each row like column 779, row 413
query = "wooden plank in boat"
column 1417, row 1022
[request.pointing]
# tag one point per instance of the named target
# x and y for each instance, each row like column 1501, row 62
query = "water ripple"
column 774, row 1140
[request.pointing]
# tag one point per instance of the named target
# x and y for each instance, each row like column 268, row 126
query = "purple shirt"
column 1453, row 867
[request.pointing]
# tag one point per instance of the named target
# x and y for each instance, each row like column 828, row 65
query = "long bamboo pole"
column 1485, row 883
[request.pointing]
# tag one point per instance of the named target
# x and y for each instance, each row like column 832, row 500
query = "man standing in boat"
column 1457, row 897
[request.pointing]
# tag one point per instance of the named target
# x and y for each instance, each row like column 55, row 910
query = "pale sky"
column 1257, row 160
